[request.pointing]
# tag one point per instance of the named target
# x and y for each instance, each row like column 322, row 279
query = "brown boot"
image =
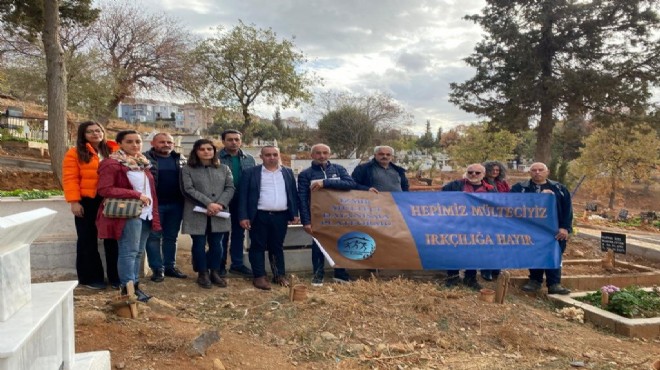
column 261, row 283
column 203, row 280
column 217, row 279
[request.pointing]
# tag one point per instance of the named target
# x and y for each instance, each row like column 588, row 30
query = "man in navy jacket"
column 268, row 203
column 322, row 174
column 539, row 183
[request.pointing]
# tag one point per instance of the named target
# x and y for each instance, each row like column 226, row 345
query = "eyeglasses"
column 474, row 173
column 97, row 131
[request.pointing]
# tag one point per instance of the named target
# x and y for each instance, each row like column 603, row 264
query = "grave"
column 639, row 275
column 640, row 328
column 36, row 320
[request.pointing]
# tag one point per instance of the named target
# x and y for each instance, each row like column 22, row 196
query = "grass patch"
column 30, row 194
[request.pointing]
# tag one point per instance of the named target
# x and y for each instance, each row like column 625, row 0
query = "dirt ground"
column 393, row 321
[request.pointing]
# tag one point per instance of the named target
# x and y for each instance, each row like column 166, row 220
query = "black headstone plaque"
column 615, row 242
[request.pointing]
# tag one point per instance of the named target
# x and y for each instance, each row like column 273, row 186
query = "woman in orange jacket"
column 79, row 178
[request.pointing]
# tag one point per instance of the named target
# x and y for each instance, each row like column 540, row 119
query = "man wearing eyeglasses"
column 539, row 183
column 472, row 182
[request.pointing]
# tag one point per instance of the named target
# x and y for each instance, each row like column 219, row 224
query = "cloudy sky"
column 409, row 49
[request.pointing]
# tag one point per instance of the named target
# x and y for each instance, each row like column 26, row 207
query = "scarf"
column 137, row 163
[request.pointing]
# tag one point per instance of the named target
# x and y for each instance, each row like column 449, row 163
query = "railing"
column 30, row 128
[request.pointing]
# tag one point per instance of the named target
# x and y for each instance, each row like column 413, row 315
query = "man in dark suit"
column 268, row 203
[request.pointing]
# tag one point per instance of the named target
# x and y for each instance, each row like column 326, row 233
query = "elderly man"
column 321, row 174
column 473, row 182
column 165, row 167
column 237, row 160
column 539, row 183
column 268, row 203
column 380, row 174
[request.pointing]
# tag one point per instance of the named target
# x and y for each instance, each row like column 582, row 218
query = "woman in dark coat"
column 208, row 184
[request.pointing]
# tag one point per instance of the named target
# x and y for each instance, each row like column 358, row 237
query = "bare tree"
column 142, row 50
column 381, row 109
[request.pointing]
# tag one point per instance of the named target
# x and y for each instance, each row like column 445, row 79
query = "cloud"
column 411, row 49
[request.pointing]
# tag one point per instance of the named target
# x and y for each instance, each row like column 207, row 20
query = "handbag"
column 124, row 208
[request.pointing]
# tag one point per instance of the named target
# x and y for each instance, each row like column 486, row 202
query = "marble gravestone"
column 36, row 320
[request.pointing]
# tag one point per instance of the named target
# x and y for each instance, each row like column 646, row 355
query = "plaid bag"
column 122, row 208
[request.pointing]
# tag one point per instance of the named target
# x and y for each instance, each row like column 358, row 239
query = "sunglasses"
column 474, row 173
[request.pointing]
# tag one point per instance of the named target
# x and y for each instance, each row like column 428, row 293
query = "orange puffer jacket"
column 79, row 179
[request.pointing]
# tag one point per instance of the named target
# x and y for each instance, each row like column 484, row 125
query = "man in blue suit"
column 268, row 203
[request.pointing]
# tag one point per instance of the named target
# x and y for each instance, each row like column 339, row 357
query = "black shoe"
column 141, row 296
column 532, row 286
column 452, row 281
column 158, row 275
column 203, row 280
column 558, row 289
column 472, row 283
column 242, row 270
column 115, row 285
column 175, row 273
column 487, row 275
column 95, row 286
column 216, row 279
column 222, row 271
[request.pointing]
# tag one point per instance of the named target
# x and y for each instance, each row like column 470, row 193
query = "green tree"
column 426, row 142
column 478, row 144
column 615, row 156
column 248, row 63
column 347, row 131
column 43, row 18
column 383, row 111
column 541, row 60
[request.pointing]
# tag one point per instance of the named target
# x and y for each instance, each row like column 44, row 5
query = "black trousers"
column 88, row 258
column 267, row 233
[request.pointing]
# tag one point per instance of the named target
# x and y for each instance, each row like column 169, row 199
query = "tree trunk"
column 247, row 120
column 545, row 53
column 56, row 87
column 610, row 205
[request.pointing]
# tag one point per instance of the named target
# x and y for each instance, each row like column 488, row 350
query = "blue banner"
column 437, row 230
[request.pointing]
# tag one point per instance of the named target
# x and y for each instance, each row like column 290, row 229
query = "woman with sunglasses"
column 208, row 186
column 79, row 180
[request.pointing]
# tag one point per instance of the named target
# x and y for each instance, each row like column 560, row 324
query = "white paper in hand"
column 219, row 214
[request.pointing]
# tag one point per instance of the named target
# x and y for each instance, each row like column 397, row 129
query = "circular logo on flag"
column 356, row 245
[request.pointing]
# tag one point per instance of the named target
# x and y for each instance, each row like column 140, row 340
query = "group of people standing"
column 215, row 196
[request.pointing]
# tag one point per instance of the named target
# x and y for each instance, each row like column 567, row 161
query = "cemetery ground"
column 396, row 320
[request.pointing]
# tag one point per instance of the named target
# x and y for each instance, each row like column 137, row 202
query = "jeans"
column 233, row 242
column 131, row 247
column 88, row 259
column 170, row 219
column 267, row 234
column 202, row 259
column 552, row 276
column 318, row 264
